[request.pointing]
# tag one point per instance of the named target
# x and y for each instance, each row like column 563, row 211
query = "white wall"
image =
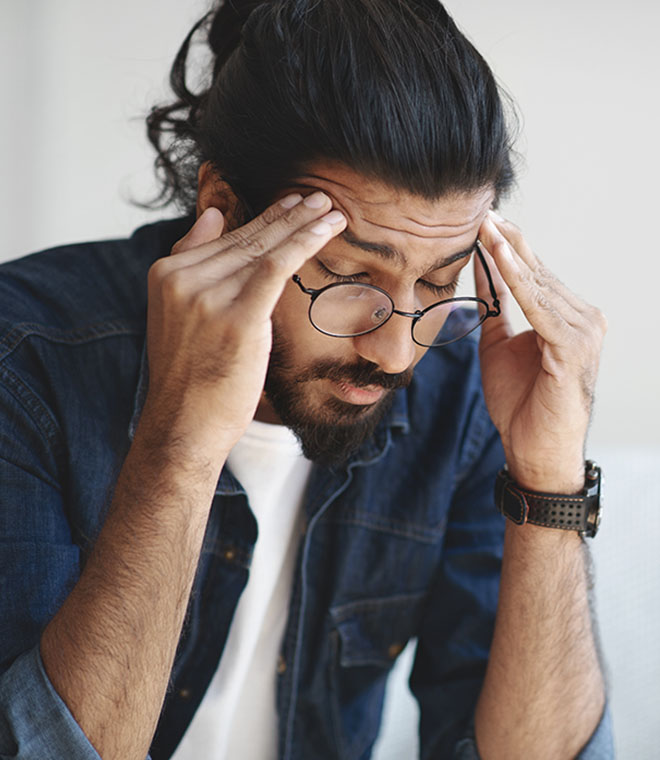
column 76, row 78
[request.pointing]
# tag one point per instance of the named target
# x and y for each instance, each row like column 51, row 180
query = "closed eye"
column 441, row 291
column 335, row 277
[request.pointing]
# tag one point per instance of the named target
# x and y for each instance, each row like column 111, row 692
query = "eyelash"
column 438, row 290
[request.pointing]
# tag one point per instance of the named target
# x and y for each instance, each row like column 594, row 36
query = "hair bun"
column 225, row 31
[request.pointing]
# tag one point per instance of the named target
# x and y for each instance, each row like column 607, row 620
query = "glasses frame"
column 495, row 311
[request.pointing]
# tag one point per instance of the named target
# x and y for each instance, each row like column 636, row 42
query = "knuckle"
column 542, row 273
column 273, row 266
column 158, row 270
column 245, row 242
column 599, row 319
column 203, row 304
column 292, row 219
column 174, row 285
column 589, row 345
column 269, row 215
column 541, row 300
column 595, row 324
column 178, row 247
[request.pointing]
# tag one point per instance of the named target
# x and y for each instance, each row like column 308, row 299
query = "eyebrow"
column 394, row 254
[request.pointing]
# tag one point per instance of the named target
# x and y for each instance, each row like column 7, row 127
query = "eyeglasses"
column 350, row 309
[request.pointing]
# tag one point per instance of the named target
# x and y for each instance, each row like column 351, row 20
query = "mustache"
column 358, row 374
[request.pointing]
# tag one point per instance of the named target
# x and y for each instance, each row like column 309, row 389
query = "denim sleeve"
column 599, row 747
column 39, row 564
column 35, row 724
column 457, row 628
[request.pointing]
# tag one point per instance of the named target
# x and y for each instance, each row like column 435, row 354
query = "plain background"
column 77, row 78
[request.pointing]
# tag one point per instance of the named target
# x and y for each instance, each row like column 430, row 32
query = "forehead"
column 377, row 209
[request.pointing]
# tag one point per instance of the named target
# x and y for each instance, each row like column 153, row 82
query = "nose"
column 391, row 346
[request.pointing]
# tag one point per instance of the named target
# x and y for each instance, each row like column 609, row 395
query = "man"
column 160, row 526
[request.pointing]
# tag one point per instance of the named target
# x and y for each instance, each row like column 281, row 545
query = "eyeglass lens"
column 352, row 309
column 349, row 309
column 449, row 322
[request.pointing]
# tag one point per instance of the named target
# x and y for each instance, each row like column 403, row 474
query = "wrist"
column 186, row 436
column 186, row 460
column 564, row 476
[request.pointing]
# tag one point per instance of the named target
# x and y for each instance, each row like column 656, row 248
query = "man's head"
column 386, row 107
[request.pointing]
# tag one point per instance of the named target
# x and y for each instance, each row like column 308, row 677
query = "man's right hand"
column 109, row 650
column 209, row 318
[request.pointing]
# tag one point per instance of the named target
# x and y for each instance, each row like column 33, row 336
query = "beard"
column 329, row 433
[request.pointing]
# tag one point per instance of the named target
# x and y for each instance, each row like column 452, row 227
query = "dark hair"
column 391, row 88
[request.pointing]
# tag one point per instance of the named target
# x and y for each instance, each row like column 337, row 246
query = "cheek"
column 303, row 343
column 292, row 327
column 290, row 320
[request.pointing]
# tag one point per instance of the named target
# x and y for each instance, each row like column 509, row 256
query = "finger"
column 543, row 275
column 269, row 274
column 544, row 309
column 203, row 239
column 230, row 263
column 273, row 227
column 256, row 284
column 258, row 236
column 514, row 236
column 208, row 227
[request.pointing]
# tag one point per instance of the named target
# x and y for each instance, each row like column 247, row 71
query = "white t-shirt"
column 237, row 717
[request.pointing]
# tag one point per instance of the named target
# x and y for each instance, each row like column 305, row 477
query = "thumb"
column 209, row 226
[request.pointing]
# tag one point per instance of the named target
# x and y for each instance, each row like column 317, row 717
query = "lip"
column 360, row 395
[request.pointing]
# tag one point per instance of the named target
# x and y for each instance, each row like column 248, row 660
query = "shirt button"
column 281, row 665
column 394, row 650
column 229, row 554
column 185, row 693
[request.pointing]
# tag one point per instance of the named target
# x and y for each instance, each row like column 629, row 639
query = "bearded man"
column 247, row 454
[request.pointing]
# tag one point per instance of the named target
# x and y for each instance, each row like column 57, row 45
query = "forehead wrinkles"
column 427, row 231
column 394, row 214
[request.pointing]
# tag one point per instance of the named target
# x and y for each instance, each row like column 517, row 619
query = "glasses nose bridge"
column 411, row 314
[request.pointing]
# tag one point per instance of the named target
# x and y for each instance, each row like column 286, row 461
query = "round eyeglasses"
column 350, row 309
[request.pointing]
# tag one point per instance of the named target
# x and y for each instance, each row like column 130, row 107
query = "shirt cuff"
column 35, row 723
column 599, row 747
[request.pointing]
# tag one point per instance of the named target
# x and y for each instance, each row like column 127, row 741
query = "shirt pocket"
column 366, row 638
column 373, row 632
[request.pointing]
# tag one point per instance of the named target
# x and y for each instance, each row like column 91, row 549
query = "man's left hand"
column 538, row 384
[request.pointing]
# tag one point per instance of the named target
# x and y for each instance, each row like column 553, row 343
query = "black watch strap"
column 580, row 512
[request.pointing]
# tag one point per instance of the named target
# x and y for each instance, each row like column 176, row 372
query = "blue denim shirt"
column 402, row 542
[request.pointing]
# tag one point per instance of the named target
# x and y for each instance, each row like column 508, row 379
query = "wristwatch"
column 580, row 512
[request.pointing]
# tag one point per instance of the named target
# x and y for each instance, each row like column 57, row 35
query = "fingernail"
column 291, row 200
column 496, row 216
column 321, row 228
column 334, row 217
column 316, row 200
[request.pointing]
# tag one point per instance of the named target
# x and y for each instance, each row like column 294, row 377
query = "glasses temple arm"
column 309, row 291
column 491, row 286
